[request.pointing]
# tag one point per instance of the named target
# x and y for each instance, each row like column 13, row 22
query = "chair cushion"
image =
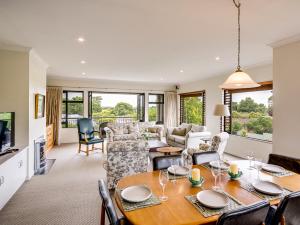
column 125, row 137
column 204, row 147
column 171, row 137
column 196, row 128
column 180, row 139
column 152, row 129
column 187, row 126
column 151, row 135
column 179, row 131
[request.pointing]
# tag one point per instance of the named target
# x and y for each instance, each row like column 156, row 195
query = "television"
column 7, row 130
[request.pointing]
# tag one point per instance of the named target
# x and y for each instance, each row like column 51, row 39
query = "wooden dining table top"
column 179, row 211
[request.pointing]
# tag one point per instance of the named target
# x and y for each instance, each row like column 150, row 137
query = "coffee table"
column 169, row 150
column 155, row 144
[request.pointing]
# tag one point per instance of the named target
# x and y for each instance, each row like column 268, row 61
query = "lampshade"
column 221, row 110
column 238, row 80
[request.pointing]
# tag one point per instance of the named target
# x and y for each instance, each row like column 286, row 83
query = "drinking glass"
column 250, row 157
column 258, row 166
column 216, row 172
column 163, row 180
column 174, row 165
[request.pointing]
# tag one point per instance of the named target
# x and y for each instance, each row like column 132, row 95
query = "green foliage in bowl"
column 196, row 183
column 235, row 176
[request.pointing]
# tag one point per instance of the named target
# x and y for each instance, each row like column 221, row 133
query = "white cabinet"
column 13, row 173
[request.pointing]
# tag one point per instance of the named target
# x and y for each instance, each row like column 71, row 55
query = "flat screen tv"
column 7, row 130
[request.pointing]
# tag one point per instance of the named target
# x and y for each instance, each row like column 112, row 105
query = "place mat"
column 175, row 177
column 207, row 212
column 130, row 206
column 248, row 186
column 286, row 173
column 208, row 166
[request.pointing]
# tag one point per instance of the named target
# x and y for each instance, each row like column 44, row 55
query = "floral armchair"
column 125, row 158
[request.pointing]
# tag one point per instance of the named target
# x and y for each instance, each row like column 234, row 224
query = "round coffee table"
column 169, row 150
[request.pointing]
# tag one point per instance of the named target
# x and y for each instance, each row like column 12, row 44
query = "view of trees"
column 193, row 110
column 252, row 119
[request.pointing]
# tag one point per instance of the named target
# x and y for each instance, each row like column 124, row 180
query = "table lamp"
column 221, row 110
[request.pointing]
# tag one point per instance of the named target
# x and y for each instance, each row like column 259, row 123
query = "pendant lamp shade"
column 238, row 80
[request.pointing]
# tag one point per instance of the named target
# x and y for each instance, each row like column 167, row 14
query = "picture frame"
column 39, row 106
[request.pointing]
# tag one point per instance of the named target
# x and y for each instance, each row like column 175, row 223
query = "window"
column 72, row 108
column 192, row 108
column 156, row 108
column 116, row 107
column 251, row 112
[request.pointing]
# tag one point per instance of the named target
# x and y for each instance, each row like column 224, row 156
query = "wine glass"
column 250, row 157
column 174, row 166
column 216, row 171
column 163, row 180
column 258, row 166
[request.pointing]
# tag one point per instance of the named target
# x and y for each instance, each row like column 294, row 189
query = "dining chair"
column 164, row 162
column 289, row 163
column 251, row 215
column 287, row 212
column 86, row 135
column 205, row 157
column 108, row 207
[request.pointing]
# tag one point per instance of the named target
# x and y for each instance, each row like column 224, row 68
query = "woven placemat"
column 207, row 212
column 248, row 186
column 286, row 173
column 130, row 206
column 175, row 177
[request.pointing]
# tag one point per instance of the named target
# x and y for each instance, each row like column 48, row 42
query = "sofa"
column 187, row 135
column 133, row 131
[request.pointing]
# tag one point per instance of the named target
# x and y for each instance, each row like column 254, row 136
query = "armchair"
column 86, row 135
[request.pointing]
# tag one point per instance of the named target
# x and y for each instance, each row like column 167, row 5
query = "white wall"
column 70, row 135
column 286, row 99
column 237, row 145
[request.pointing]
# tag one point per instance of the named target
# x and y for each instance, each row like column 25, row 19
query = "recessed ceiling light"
column 181, row 71
column 83, row 73
column 83, row 62
column 218, row 58
column 81, row 39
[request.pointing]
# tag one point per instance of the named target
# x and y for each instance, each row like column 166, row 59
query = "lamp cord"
column 238, row 5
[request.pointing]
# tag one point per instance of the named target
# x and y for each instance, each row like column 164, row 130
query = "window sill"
column 252, row 139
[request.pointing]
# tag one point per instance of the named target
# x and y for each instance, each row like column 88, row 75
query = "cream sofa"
column 194, row 136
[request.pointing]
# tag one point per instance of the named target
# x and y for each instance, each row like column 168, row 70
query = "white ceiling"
column 146, row 40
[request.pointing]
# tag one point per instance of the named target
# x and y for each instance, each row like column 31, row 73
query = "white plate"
column 273, row 168
column 179, row 170
column 212, row 199
column 268, row 187
column 138, row 193
column 219, row 164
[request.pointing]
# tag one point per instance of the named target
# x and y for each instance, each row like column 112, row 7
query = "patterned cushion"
column 125, row 137
column 204, row 147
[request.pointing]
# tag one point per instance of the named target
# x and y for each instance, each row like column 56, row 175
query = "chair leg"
column 103, row 147
column 87, row 150
column 282, row 220
column 102, row 217
column 79, row 148
column 93, row 147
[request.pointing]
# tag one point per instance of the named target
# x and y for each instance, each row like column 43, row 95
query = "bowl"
column 196, row 183
column 235, row 176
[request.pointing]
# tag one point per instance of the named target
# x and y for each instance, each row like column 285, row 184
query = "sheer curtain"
column 170, row 109
column 53, row 110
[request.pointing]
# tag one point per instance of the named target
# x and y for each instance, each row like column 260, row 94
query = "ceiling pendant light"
column 239, row 79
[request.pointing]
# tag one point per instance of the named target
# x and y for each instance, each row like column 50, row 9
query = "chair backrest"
column 287, row 162
column 163, row 162
column 219, row 143
column 102, row 130
column 107, row 203
column 205, row 157
column 251, row 215
column 85, row 125
column 288, row 210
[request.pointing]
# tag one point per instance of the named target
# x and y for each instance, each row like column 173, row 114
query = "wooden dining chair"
column 205, row 157
column 108, row 207
column 251, row 215
column 164, row 162
column 289, row 163
column 287, row 212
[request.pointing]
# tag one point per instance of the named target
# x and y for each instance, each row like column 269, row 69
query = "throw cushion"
column 187, row 126
column 152, row 129
column 191, row 151
column 196, row 128
column 132, row 128
column 204, row 147
column 179, row 131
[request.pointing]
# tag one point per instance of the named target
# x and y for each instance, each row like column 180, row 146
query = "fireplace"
column 40, row 159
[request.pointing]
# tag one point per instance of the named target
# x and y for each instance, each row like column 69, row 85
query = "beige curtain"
column 170, row 109
column 53, row 110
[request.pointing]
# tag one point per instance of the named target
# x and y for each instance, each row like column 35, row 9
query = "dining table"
column 177, row 210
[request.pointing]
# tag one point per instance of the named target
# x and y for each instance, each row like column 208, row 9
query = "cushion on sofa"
column 179, row 139
column 152, row 129
column 197, row 128
column 187, row 126
column 125, row 137
column 171, row 137
column 179, row 131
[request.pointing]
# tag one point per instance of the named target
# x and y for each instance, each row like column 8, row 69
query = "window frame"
column 66, row 101
column 226, row 122
column 158, row 103
column 193, row 94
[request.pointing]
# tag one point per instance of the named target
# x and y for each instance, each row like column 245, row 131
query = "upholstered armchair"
column 86, row 135
column 125, row 158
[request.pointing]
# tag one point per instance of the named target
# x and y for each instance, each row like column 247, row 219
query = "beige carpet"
column 67, row 195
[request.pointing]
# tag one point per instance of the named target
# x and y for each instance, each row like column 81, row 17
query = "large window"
column 72, row 108
column 156, row 108
column 251, row 112
column 116, row 107
column 192, row 108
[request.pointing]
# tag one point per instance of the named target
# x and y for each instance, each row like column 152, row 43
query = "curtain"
column 53, row 110
column 170, row 109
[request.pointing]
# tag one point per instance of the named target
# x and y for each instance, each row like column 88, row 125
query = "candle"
column 234, row 168
column 196, row 174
